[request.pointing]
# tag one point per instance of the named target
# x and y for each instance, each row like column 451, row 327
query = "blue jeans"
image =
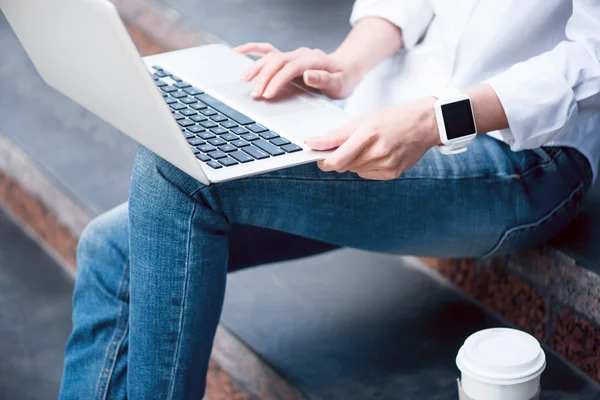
column 149, row 292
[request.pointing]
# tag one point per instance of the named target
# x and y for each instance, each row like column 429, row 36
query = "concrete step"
column 35, row 316
column 354, row 325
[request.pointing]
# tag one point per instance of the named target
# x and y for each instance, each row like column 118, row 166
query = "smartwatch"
column 455, row 121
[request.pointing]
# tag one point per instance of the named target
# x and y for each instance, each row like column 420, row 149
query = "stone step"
column 35, row 316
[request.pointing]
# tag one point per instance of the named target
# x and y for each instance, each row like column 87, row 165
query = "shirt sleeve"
column 545, row 96
column 412, row 16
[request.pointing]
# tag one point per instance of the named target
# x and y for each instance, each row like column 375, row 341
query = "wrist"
column 428, row 123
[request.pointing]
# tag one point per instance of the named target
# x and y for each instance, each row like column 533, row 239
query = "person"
column 151, row 274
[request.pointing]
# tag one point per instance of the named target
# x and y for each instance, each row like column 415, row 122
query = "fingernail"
column 311, row 77
column 268, row 93
column 243, row 77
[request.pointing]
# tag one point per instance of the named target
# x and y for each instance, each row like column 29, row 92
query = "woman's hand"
column 330, row 74
column 383, row 145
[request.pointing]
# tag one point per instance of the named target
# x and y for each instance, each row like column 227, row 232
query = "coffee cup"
column 500, row 364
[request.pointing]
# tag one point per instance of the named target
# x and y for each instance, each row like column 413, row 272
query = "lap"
column 446, row 206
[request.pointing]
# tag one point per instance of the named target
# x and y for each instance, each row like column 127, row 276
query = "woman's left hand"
column 381, row 146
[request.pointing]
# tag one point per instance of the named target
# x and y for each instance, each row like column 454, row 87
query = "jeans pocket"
column 536, row 233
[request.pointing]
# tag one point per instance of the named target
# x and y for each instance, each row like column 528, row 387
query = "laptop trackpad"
column 292, row 99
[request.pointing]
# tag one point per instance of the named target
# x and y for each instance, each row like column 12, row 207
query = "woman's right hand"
column 325, row 72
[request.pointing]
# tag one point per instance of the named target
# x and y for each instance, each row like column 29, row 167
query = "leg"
column 96, row 354
column 474, row 204
column 95, row 361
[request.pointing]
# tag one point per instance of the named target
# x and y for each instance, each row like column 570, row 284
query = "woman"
column 148, row 299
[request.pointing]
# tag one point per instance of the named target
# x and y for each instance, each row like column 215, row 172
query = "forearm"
column 487, row 109
column 371, row 41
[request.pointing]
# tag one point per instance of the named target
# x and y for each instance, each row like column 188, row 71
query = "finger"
column 347, row 152
column 332, row 139
column 273, row 64
column 258, row 49
column 254, row 69
column 378, row 175
column 296, row 68
column 323, row 80
column 374, row 157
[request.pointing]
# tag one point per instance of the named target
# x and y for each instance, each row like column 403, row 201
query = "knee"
column 153, row 175
column 105, row 240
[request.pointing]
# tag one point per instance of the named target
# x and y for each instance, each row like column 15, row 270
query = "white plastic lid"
column 501, row 356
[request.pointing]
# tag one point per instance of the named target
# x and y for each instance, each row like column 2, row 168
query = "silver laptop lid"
column 82, row 49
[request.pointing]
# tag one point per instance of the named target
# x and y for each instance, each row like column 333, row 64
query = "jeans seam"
column 112, row 350
column 522, row 174
column 183, row 303
column 509, row 234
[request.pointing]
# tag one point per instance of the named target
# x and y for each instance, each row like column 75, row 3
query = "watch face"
column 458, row 119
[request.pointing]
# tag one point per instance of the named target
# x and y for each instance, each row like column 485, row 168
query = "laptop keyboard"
column 217, row 134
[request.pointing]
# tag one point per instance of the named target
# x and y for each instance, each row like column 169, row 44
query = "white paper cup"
column 500, row 364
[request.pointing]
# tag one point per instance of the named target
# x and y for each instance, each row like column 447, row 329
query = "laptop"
column 190, row 106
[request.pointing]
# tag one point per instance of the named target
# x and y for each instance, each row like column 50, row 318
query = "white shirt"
column 542, row 57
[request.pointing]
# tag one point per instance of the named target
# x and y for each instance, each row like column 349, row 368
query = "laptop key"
column 160, row 83
column 188, row 113
column 188, row 100
column 157, row 68
column 208, row 124
column 170, row 100
column 169, row 89
column 160, row 74
column 175, row 78
column 241, row 156
column 240, row 143
column 185, row 122
column 268, row 135
column 217, row 154
column 177, row 106
column 255, row 152
column 179, row 95
column 214, row 164
column 217, row 141
column 196, row 141
column 239, row 130
column 178, row 116
column 198, row 105
column 225, row 109
column 219, row 130
column 206, row 148
column 268, row 147
column 291, row 148
column 228, row 162
column 206, row 135
column 182, row 85
column 198, row 118
column 202, row 157
column 195, row 150
column 227, row 148
column 218, row 118
column 256, row 128
column 188, row 135
column 195, row 129
column 208, row 112
column 229, row 137
column 228, row 124
column 192, row 91
column 249, row 137
column 279, row 141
